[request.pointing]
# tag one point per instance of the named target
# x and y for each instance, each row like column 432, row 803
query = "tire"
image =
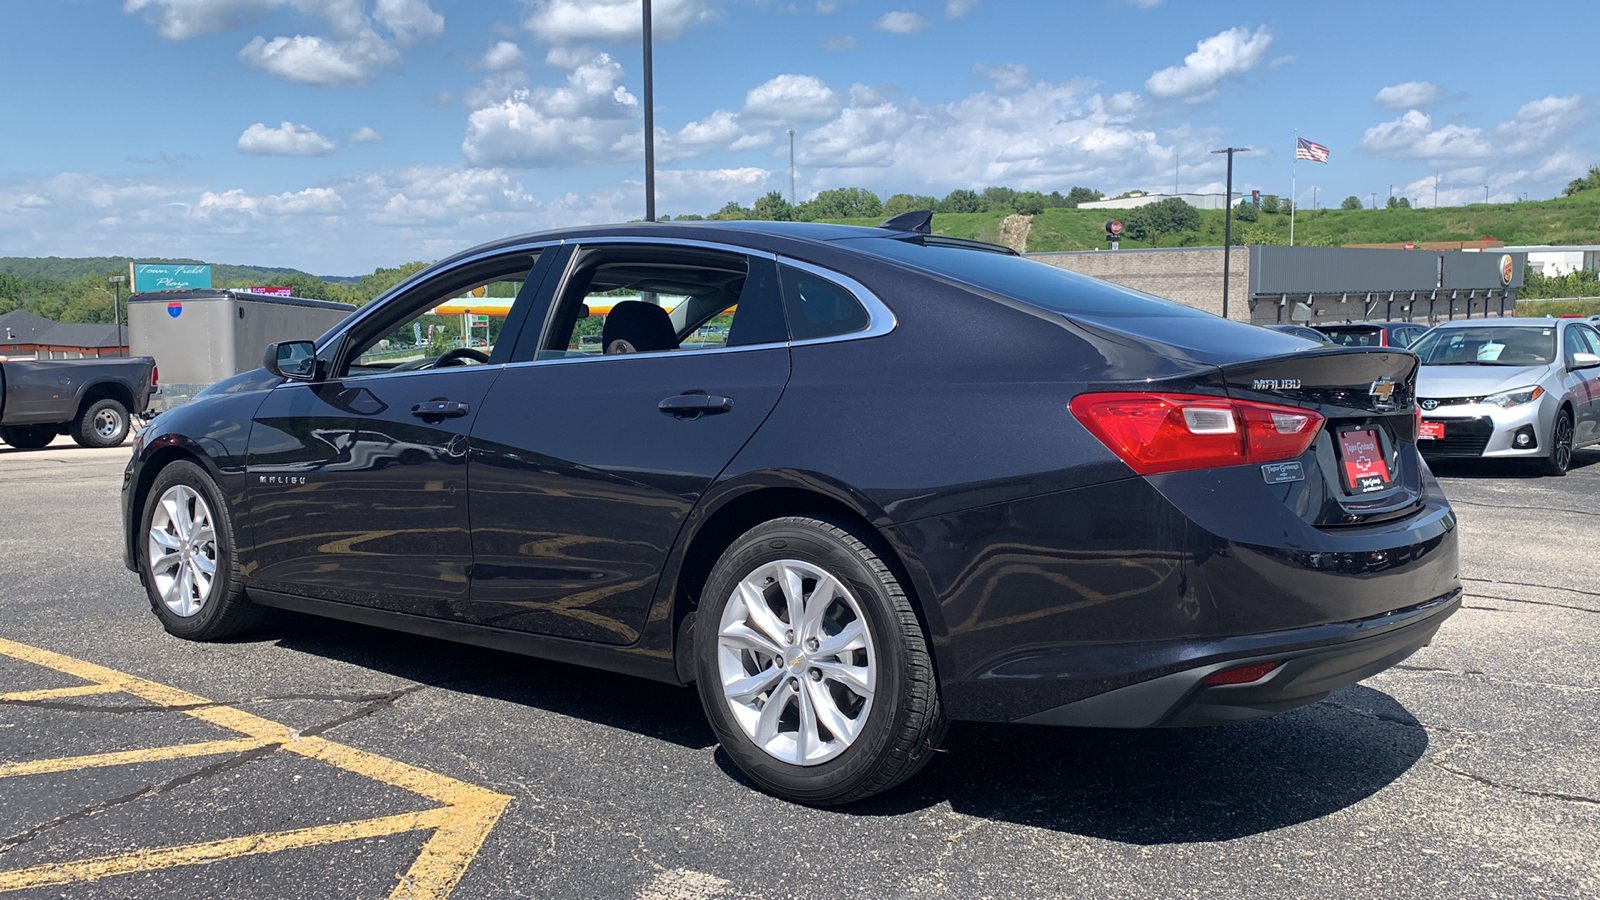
column 104, row 424
column 857, row 714
column 1560, row 456
column 28, row 437
column 186, row 530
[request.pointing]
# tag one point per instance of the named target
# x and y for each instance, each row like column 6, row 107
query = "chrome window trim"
column 332, row 337
column 880, row 319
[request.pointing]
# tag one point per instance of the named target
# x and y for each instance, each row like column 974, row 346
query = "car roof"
column 1507, row 322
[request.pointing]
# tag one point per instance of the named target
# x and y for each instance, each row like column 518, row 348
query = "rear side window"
column 1356, row 337
column 818, row 308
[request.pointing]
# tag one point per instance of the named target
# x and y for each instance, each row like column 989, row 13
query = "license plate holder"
column 1366, row 470
column 1431, row 431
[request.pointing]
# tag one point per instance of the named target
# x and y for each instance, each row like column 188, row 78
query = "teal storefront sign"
column 152, row 277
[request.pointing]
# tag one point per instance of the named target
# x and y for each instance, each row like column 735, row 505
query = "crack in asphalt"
column 1485, row 676
column 1579, row 512
column 1530, row 792
column 373, row 703
column 1547, row 587
column 1534, row 603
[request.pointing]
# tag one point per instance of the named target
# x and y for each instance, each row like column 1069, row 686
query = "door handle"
column 694, row 404
column 440, row 409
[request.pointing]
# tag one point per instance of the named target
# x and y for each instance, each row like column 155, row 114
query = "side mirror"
column 294, row 360
column 1584, row 361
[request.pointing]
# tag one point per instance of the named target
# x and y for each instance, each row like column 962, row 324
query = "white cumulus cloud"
column 587, row 120
column 365, row 135
column 288, row 139
column 1004, row 78
column 900, row 23
column 502, row 56
column 791, row 98
column 1225, row 55
column 577, row 21
column 1408, row 95
column 309, row 59
column 955, row 9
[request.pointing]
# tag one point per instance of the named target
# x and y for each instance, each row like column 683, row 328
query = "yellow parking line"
column 127, row 757
column 216, row 851
column 460, row 825
column 82, row 690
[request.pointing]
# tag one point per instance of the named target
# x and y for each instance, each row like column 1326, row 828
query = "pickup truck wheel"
column 103, row 424
column 28, row 437
column 186, row 555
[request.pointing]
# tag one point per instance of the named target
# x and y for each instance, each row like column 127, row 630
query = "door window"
column 623, row 299
column 456, row 319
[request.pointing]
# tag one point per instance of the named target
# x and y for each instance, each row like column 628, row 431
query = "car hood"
column 1475, row 381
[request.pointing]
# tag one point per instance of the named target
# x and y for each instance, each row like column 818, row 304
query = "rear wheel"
column 28, row 437
column 186, row 554
column 103, row 424
column 812, row 667
column 1560, row 446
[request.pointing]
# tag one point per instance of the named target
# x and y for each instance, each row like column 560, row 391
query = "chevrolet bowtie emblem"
column 1382, row 389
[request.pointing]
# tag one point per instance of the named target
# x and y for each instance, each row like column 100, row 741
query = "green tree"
column 1588, row 182
column 960, row 200
column 904, row 203
column 1351, row 202
column 1403, row 204
column 998, row 199
column 1269, row 204
column 732, row 212
column 771, row 207
column 1246, row 212
column 841, row 203
column 1029, row 203
column 1153, row 221
column 1083, row 195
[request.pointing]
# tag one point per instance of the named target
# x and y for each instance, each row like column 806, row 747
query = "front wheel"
column 1560, row 457
column 812, row 667
column 186, row 555
column 103, row 424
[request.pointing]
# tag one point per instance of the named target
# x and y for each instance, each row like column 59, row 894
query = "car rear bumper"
column 1305, row 674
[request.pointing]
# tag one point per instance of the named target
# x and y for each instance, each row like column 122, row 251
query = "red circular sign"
column 1114, row 227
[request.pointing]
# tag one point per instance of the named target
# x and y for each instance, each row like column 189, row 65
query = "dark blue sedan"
column 853, row 483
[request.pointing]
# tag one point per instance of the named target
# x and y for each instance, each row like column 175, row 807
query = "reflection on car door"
column 1583, row 383
column 584, row 467
column 358, row 484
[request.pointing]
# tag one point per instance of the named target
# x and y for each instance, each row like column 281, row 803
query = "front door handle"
column 440, row 409
column 694, row 404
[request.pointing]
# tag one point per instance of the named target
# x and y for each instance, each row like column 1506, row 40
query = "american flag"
column 1304, row 149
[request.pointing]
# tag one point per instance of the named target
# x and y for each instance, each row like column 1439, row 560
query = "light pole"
column 791, row 167
column 1436, row 190
column 1372, row 199
column 1486, row 193
column 116, row 308
column 649, row 124
column 1227, row 223
column 1313, row 199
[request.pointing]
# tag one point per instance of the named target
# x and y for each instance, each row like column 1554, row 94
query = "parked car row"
column 1512, row 388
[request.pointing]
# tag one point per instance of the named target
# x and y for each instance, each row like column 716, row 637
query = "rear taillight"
column 1156, row 433
column 155, row 375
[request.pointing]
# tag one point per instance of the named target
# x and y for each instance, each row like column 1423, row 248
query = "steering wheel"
column 461, row 356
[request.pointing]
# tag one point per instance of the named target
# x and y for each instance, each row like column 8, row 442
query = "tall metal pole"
column 649, row 124
column 791, row 167
column 1294, row 175
column 1227, row 223
column 116, row 310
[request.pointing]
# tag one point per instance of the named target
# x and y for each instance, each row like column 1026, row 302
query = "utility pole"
column 116, row 309
column 1436, row 190
column 1227, row 223
column 1372, row 199
column 791, row 167
column 1313, row 198
column 649, row 124
column 1486, row 193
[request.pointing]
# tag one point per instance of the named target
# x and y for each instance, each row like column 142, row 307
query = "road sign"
column 1113, row 227
column 480, row 320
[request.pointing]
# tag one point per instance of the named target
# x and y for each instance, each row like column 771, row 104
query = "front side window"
column 453, row 320
column 621, row 300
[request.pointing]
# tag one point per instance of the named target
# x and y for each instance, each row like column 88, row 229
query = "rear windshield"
column 1033, row 282
column 1355, row 337
column 1487, row 345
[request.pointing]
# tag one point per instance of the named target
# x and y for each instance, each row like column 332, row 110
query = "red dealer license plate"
column 1432, row 431
column 1365, row 469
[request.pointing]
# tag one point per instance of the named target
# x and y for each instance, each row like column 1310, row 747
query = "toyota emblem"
column 1430, row 404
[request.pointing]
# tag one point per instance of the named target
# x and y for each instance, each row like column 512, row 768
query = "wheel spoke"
column 746, row 689
column 203, row 532
column 166, row 539
column 201, row 581
column 164, row 562
column 843, row 727
column 204, row 564
column 740, row 636
column 853, row 677
column 806, row 736
column 821, row 598
column 852, row 636
column 793, row 594
column 759, row 614
column 767, row 725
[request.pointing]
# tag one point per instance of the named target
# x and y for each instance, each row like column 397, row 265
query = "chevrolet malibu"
column 853, row 483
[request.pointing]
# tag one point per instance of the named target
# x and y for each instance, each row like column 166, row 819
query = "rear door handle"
column 440, row 409
column 694, row 405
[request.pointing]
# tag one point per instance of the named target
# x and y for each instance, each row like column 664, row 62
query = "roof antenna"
column 919, row 221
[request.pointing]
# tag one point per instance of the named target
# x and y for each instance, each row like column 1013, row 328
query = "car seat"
column 634, row 326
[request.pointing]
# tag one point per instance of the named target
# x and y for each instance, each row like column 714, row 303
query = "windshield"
column 1487, row 345
column 1358, row 336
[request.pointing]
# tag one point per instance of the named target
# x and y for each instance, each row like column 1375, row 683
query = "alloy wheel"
column 796, row 662
column 182, row 548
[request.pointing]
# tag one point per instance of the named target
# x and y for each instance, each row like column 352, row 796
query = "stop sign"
column 1114, row 227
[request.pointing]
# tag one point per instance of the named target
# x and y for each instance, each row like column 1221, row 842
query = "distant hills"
column 58, row 268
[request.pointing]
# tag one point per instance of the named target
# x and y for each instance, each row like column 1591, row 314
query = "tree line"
column 860, row 203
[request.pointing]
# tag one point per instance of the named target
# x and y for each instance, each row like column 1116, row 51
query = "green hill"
column 57, row 268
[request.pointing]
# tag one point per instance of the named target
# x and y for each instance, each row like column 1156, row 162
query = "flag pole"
column 1294, row 174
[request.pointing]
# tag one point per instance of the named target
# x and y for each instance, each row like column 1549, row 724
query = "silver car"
column 1509, row 388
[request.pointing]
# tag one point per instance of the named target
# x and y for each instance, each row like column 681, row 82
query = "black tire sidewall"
column 29, row 437
column 839, row 776
column 84, row 431
column 1549, row 464
column 224, row 585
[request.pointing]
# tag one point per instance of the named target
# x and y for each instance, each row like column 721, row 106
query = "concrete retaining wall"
column 1192, row 277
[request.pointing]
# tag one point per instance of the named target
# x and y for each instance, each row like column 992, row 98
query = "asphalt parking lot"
column 318, row 759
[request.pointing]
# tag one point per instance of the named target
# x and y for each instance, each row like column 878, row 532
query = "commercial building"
column 1198, row 201
column 26, row 335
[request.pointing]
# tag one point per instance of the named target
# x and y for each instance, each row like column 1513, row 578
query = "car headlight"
column 1516, row 397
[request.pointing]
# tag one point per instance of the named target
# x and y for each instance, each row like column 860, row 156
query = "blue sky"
column 341, row 135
